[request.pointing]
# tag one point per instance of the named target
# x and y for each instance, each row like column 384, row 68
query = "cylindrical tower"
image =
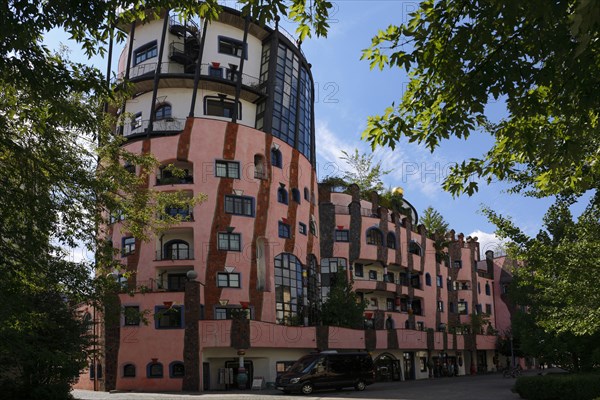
column 231, row 104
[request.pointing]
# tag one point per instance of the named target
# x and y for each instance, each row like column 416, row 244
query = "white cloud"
column 488, row 241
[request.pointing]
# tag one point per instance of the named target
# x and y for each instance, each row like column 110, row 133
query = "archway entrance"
column 387, row 368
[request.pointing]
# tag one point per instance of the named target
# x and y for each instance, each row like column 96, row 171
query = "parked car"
column 328, row 370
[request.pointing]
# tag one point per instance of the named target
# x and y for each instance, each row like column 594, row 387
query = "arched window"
column 296, row 195
column 391, row 240
column 374, row 236
column 154, row 370
column 428, row 279
column 176, row 250
column 414, row 248
column 129, row 371
column 176, row 369
column 487, row 289
column 259, row 167
column 282, row 195
column 163, row 112
column 276, row 158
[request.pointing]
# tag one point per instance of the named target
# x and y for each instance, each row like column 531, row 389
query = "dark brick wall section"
column 370, row 339
column 424, row 249
column 215, row 260
column 112, row 340
column 240, row 333
column 183, row 145
column 260, row 229
column 392, row 339
column 379, row 319
column 290, row 242
column 382, row 251
column 327, row 228
column 410, row 262
column 191, row 341
column 322, row 337
column 355, row 225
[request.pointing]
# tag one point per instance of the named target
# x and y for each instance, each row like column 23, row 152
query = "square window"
column 342, row 235
column 221, row 107
column 168, row 317
column 440, row 306
column 373, row 275
column 462, row 308
column 439, row 281
column 358, row 270
column 131, row 315
column 302, row 228
column 145, row 52
column 239, row 205
column 232, row 47
column 457, row 264
column 227, row 169
column 284, row 230
column 229, row 241
column 136, row 121
column 127, row 246
column 228, row 279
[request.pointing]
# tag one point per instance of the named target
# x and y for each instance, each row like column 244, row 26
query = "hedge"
column 559, row 387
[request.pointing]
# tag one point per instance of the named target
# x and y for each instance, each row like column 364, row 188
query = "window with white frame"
column 229, row 241
column 228, row 279
column 227, row 169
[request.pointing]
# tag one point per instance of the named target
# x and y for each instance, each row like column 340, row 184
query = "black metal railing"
column 175, row 254
column 161, row 125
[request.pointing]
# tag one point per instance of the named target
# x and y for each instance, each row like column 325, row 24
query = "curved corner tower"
column 233, row 292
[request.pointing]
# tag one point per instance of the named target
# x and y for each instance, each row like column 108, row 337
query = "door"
column 249, row 371
column 205, row 376
column 409, row 365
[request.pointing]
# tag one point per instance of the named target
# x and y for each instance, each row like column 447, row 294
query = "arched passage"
column 387, row 367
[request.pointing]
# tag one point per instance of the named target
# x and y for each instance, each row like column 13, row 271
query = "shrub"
column 559, row 386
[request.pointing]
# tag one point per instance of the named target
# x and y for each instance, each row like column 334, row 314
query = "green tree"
column 343, row 307
column 434, row 221
column 363, row 172
column 540, row 59
column 59, row 186
column 552, row 282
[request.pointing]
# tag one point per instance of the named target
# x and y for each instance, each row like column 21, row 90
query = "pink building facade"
column 241, row 280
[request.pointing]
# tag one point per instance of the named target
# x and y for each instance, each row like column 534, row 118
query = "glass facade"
column 288, row 289
column 292, row 101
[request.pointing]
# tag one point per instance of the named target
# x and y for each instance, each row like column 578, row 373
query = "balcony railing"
column 175, row 254
column 206, row 70
column 161, row 125
column 175, row 180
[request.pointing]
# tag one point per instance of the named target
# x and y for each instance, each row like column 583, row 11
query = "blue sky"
column 347, row 92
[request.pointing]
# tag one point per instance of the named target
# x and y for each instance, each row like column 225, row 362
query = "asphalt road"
column 484, row 387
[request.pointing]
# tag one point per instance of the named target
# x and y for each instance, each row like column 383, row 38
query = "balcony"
column 213, row 76
column 175, row 254
column 140, row 127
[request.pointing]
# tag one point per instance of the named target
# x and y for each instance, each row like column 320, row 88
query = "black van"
column 328, row 370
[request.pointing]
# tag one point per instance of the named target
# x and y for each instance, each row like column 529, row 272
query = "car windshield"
column 305, row 364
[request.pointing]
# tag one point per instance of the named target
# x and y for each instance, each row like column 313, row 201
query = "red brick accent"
column 216, row 259
column 263, row 201
column 293, row 206
column 183, row 145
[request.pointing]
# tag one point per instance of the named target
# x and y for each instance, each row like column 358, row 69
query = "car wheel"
column 360, row 386
column 307, row 388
